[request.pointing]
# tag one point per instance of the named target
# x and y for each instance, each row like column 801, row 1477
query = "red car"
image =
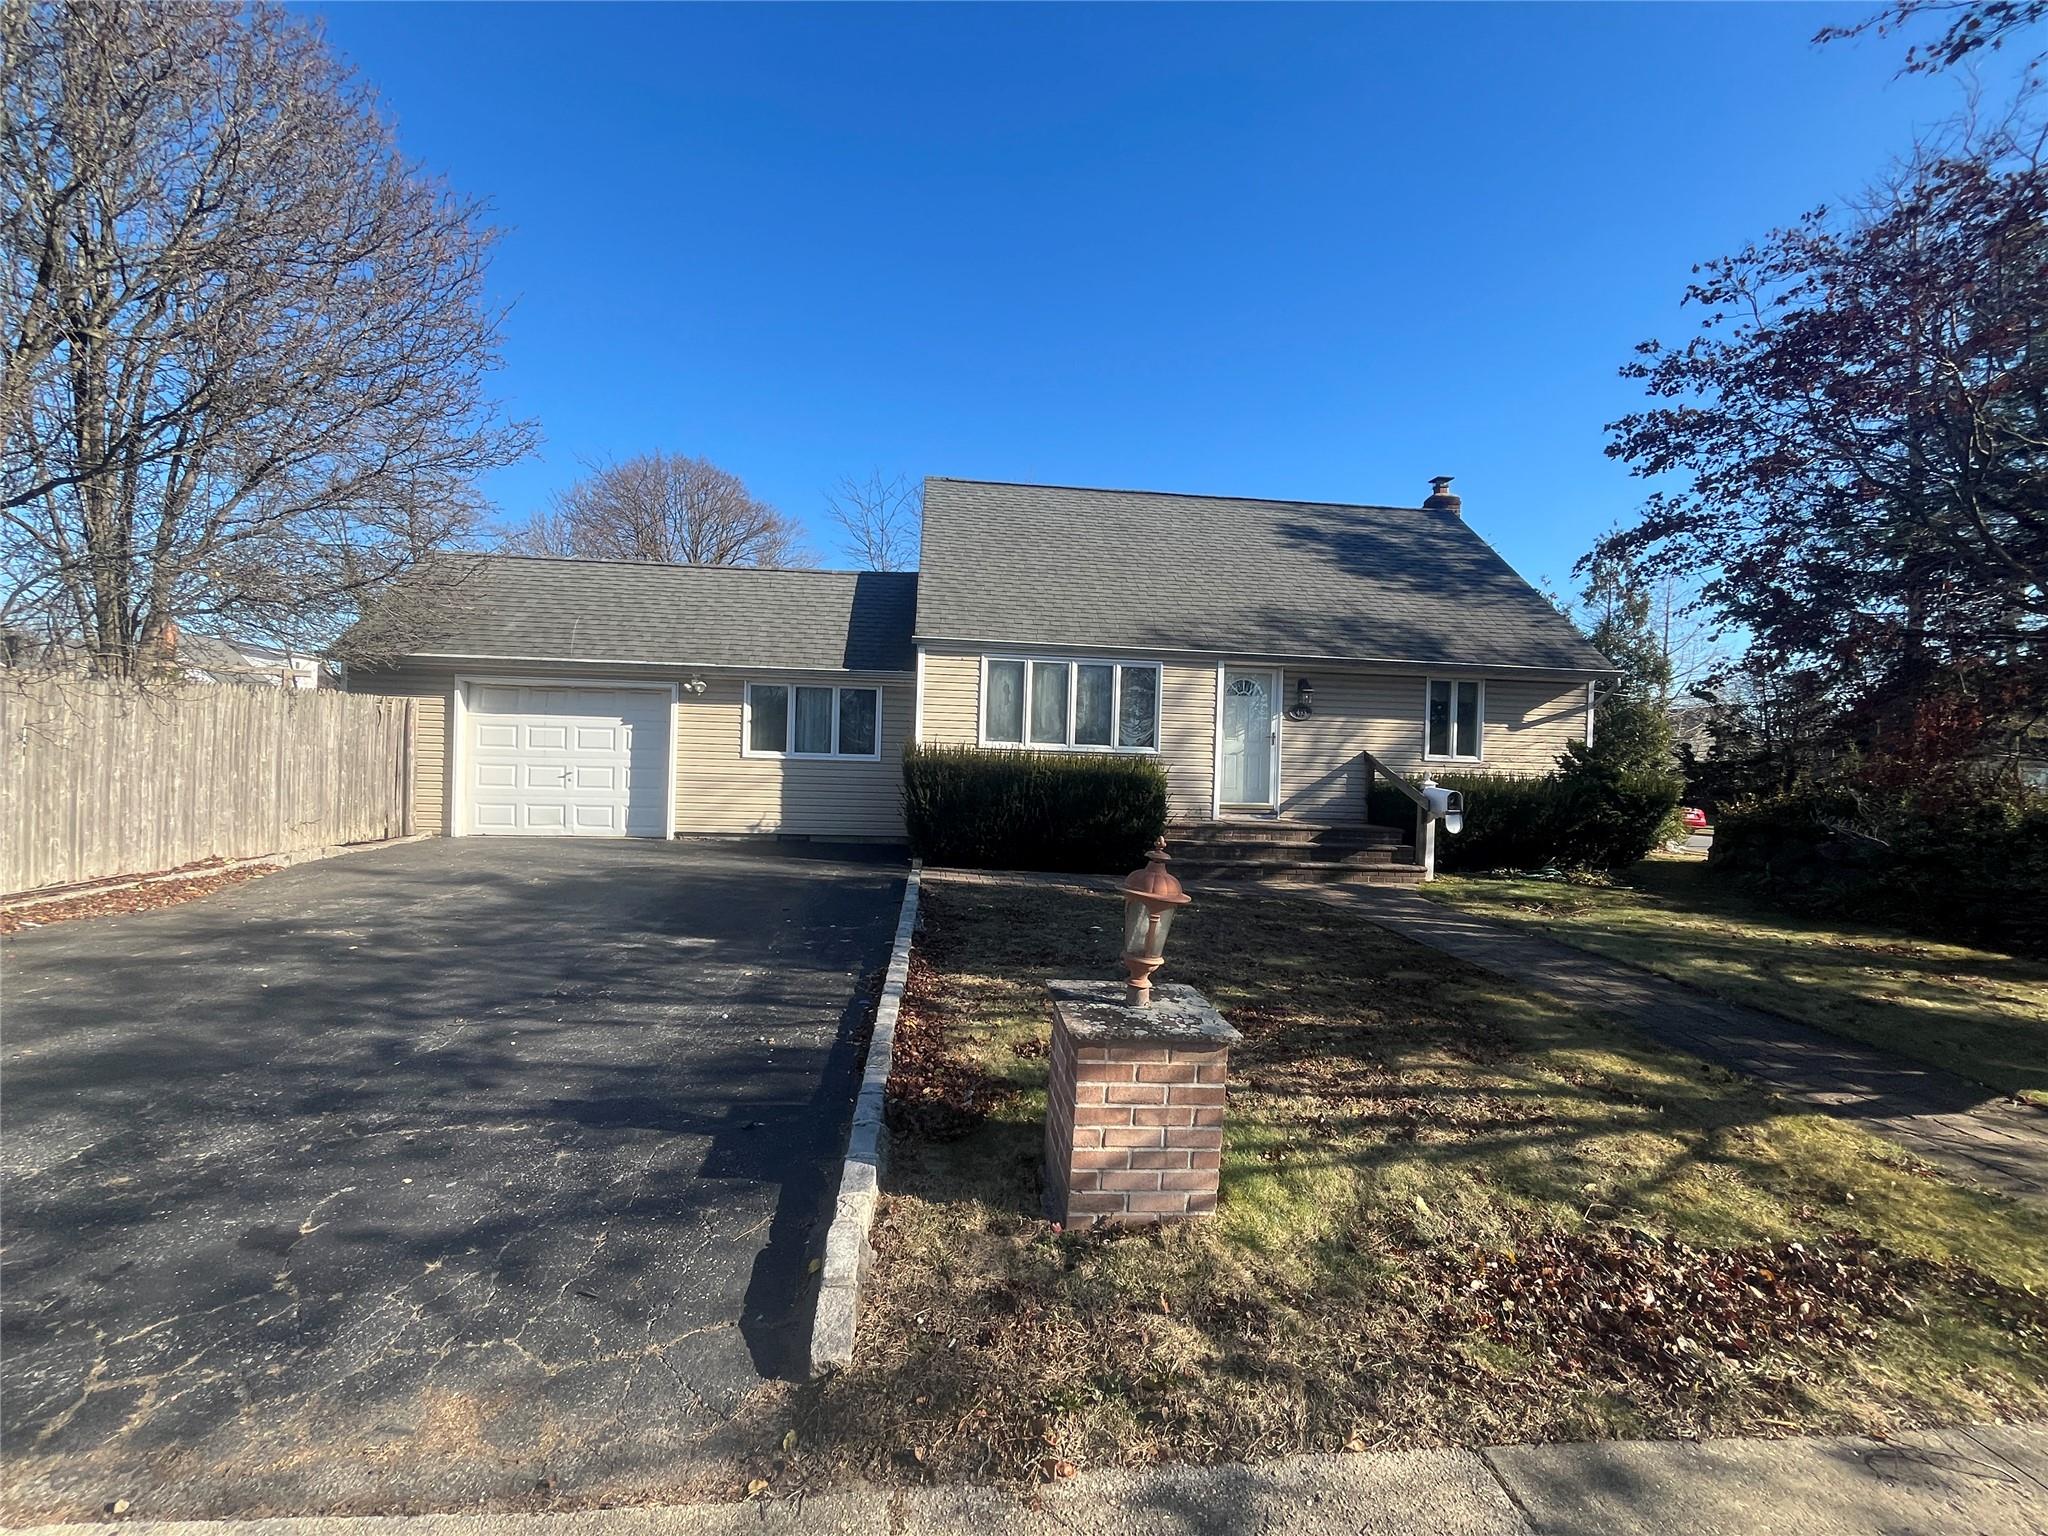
column 1695, row 819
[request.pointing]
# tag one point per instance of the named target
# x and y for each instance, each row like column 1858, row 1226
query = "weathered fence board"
column 105, row 780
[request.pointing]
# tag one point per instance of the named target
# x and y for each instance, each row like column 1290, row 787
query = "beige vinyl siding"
column 718, row 789
column 1187, row 715
column 430, row 738
column 1322, row 776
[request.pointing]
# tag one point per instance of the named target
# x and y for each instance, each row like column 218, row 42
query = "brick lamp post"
column 1134, row 1111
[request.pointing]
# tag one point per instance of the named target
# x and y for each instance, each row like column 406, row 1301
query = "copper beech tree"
column 664, row 507
column 1852, row 450
column 247, row 343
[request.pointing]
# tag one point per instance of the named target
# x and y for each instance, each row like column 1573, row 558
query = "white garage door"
column 565, row 762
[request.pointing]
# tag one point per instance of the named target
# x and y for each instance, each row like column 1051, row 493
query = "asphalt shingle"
column 528, row 608
column 1145, row 570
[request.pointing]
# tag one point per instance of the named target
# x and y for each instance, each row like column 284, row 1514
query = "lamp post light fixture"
column 1151, row 897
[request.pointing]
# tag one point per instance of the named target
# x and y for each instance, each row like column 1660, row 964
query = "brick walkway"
column 1962, row 1126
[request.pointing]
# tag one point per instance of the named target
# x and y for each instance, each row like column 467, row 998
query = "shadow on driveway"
column 420, row 1176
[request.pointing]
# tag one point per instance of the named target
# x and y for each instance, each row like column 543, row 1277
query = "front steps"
column 1279, row 849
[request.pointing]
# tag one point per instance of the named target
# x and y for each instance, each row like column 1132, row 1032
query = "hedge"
column 1583, row 816
column 1032, row 810
column 1962, row 864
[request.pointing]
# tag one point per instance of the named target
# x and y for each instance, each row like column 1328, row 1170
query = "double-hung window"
column 1107, row 706
column 799, row 720
column 1454, row 719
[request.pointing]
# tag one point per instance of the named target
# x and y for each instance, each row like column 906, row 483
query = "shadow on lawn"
column 414, row 1176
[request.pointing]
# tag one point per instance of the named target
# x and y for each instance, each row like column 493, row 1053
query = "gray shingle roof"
column 680, row 615
column 1147, row 570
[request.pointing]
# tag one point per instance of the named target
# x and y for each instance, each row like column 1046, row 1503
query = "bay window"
column 1106, row 706
column 802, row 720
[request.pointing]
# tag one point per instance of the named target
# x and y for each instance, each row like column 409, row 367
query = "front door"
column 1251, row 738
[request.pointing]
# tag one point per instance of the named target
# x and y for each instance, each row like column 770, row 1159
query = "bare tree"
column 883, row 520
column 663, row 507
column 246, row 343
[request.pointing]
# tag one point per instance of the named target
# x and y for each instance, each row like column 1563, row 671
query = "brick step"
column 1196, row 834
column 1221, row 871
column 1238, row 850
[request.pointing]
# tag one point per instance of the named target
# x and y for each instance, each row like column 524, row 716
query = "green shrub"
column 1032, row 810
column 1962, row 862
column 1586, row 815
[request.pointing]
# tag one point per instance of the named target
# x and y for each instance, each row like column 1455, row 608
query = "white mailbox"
column 1445, row 805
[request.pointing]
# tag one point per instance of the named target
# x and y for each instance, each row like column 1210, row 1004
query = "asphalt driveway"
column 423, row 1176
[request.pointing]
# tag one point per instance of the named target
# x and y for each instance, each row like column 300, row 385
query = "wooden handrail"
column 1425, row 827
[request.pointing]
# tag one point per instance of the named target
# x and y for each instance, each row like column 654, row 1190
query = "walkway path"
column 1957, row 1124
column 1987, row 1481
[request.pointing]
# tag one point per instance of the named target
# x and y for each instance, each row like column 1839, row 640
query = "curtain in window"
column 1094, row 688
column 769, row 731
column 1003, row 711
column 857, row 722
column 1049, row 703
column 813, row 720
column 1439, row 719
column 1138, row 717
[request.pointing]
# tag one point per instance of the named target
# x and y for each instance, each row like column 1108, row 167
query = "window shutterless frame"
column 1116, row 703
column 747, row 748
column 1457, row 754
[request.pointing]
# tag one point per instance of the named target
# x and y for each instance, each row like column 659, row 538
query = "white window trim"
column 455, row 801
column 789, row 753
column 1116, row 664
column 1453, row 757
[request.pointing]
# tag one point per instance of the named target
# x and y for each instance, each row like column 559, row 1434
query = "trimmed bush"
column 1076, row 811
column 1584, row 816
column 1962, row 863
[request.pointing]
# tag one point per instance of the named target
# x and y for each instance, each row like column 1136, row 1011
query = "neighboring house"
column 1256, row 648
column 218, row 659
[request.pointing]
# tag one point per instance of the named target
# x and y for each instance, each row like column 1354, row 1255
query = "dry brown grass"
column 1410, row 1146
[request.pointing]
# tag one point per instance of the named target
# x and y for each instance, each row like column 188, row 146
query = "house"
column 1257, row 648
column 222, row 659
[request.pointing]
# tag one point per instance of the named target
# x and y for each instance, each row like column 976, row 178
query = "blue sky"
column 1312, row 252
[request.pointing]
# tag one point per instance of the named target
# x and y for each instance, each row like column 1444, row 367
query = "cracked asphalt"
column 416, row 1178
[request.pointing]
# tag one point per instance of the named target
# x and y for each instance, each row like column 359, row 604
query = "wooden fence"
column 105, row 780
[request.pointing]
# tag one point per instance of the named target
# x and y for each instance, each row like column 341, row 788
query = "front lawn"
column 1452, row 1213
column 1971, row 1011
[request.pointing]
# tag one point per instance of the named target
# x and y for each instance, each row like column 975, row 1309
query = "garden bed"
column 1452, row 1213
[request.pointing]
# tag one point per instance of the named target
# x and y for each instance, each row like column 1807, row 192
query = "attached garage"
column 554, row 759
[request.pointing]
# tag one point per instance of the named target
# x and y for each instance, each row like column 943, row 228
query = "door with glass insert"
column 1250, row 737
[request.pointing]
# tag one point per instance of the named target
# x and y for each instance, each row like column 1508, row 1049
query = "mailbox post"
column 1439, row 805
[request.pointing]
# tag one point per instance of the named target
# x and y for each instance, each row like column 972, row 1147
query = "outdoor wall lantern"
column 1151, row 896
column 1304, row 699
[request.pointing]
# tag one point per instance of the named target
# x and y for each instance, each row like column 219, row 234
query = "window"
column 1109, row 706
column 799, row 720
column 1452, row 723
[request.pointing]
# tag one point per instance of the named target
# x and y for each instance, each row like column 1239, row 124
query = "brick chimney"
column 1440, row 498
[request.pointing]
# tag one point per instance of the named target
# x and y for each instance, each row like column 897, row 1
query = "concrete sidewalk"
column 1983, row 1481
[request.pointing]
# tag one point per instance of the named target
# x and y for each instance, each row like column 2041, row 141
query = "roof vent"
column 1440, row 498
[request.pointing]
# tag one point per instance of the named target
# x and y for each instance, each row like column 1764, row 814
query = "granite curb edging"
column 846, row 1257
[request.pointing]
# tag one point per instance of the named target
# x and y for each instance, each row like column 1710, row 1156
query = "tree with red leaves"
column 1854, row 445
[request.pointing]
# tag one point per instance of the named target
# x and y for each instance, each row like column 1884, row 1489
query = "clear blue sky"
column 1311, row 252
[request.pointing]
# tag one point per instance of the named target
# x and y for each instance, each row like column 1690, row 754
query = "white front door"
column 1251, row 738
column 543, row 761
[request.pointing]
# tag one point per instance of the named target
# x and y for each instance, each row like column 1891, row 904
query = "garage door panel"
column 565, row 761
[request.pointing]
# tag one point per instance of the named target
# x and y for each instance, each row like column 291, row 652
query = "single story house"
column 1257, row 648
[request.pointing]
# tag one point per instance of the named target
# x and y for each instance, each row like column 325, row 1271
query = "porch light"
column 1304, row 699
column 1151, row 897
